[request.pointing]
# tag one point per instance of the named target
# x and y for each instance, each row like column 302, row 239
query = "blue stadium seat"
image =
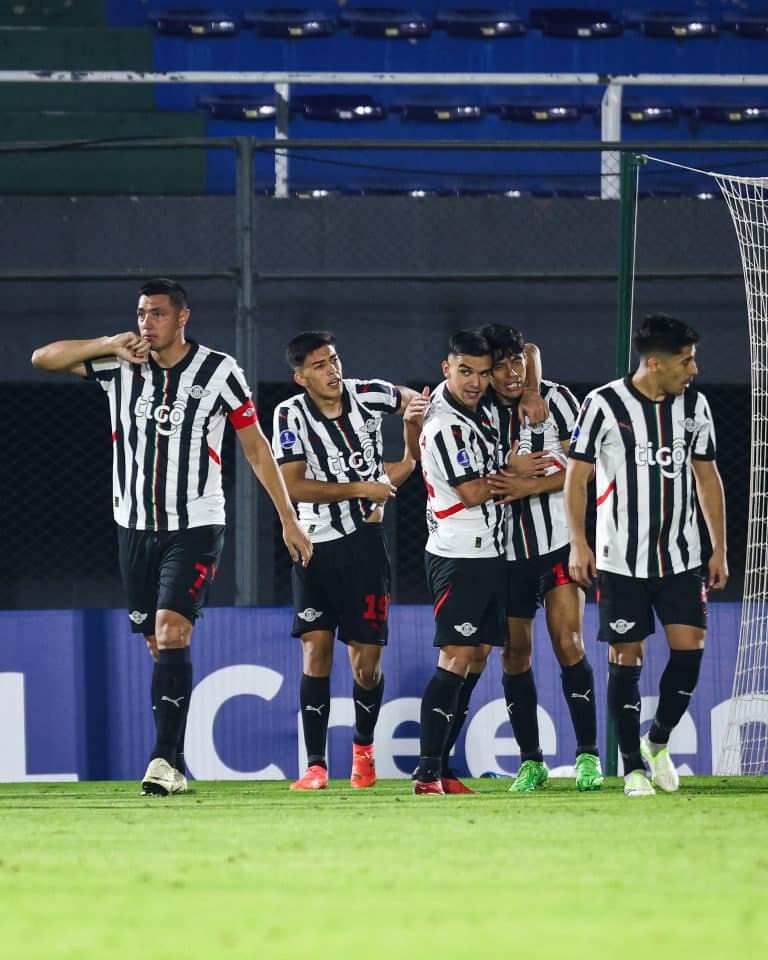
column 733, row 111
column 480, row 24
column 573, row 22
column 238, row 106
column 747, row 24
column 289, row 23
column 676, row 24
column 445, row 109
column 344, row 107
column 193, row 23
column 656, row 110
column 541, row 111
column 387, row 22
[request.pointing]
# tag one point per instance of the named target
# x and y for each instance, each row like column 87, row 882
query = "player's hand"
column 376, row 492
column 525, row 465
column 508, row 486
column 298, row 543
column 417, row 408
column 717, row 571
column 581, row 565
column 532, row 407
column 130, row 346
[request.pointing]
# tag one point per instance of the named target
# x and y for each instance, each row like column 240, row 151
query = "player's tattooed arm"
column 532, row 406
column 69, row 356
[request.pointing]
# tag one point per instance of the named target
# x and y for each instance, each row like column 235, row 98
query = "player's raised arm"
column 259, row 455
column 532, row 407
column 69, row 356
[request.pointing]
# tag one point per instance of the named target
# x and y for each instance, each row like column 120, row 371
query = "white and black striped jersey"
column 341, row 449
column 647, row 514
column 458, row 446
column 167, row 428
column 536, row 525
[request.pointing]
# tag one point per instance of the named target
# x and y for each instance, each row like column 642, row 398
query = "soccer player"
column 537, row 569
column 650, row 440
column 465, row 550
column 169, row 401
column 327, row 440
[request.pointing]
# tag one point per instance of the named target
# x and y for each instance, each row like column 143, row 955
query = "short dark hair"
column 660, row 333
column 171, row 288
column 469, row 342
column 504, row 341
column 305, row 343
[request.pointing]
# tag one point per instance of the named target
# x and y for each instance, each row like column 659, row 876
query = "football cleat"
column 663, row 772
column 452, row 784
column 531, row 775
column 159, row 779
column 180, row 784
column 363, row 766
column 637, row 784
column 423, row 787
column 589, row 773
column 316, row 778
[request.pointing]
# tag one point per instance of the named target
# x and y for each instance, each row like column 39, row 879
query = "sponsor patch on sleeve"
column 244, row 416
column 462, row 458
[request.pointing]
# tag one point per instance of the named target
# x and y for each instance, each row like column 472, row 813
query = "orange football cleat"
column 316, row 778
column 424, row 787
column 454, row 785
column 363, row 766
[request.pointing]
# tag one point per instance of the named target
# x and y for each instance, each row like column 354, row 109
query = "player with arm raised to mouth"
column 649, row 440
column 327, row 440
column 169, row 400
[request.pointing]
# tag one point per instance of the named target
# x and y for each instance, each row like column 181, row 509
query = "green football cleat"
column 589, row 773
column 532, row 774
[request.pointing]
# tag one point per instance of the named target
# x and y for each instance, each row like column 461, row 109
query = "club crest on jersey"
column 137, row 617
column 669, row 460
column 197, row 392
column 167, row 419
column 462, row 458
column 689, row 424
column 465, row 629
column 622, row 626
column 371, row 425
column 310, row 614
column 287, row 439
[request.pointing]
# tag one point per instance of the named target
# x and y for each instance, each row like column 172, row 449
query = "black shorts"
column 167, row 570
column 468, row 597
column 346, row 586
column 627, row 604
column 529, row 581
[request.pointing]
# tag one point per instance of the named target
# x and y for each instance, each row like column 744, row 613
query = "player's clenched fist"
column 130, row 346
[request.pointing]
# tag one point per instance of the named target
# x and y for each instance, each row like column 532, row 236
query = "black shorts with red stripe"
column 627, row 604
column 167, row 570
column 468, row 597
column 529, row 581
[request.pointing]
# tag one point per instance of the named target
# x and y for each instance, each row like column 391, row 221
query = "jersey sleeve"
column 288, row 434
column 590, row 429
column 564, row 409
column 456, row 450
column 378, row 396
column 236, row 399
column 704, row 447
column 105, row 371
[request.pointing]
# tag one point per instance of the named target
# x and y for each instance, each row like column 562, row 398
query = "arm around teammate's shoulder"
column 70, row 356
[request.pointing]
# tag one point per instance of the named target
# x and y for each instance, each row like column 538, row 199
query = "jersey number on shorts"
column 376, row 608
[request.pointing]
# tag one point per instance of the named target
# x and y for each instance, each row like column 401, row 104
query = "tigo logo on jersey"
column 669, row 459
column 465, row 629
column 287, row 439
column 168, row 419
column 362, row 461
column 310, row 614
column 622, row 626
column 197, row 392
column 137, row 617
column 462, row 458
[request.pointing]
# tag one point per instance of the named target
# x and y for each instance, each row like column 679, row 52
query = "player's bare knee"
column 317, row 656
column 456, row 660
column 172, row 630
column 569, row 649
column 626, row 654
column 516, row 658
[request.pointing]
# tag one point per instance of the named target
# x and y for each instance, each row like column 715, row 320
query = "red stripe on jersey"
column 114, row 435
column 442, row 600
column 604, row 496
column 244, row 416
column 214, row 456
column 449, row 511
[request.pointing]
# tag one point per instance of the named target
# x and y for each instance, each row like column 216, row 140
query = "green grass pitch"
column 248, row 869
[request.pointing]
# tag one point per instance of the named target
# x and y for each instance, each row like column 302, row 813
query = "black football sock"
column 173, row 689
column 579, row 689
column 624, row 708
column 522, row 701
column 676, row 687
column 462, row 709
column 153, row 693
column 367, row 706
column 181, row 764
column 315, row 700
column 438, row 708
